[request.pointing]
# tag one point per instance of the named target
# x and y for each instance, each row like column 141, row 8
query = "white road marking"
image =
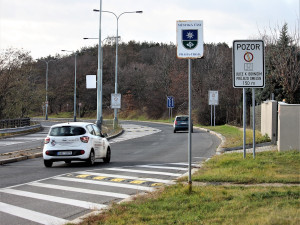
column 183, row 164
column 134, row 131
column 127, row 177
column 31, row 215
column 161, row 167
column 78, row 203
column 144, row 171
column 130, row 186
column 80, row 190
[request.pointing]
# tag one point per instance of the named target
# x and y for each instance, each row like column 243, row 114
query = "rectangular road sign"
column 90, row 81
column 170, row 102
column 115, row 101
column 190, row 39
column 213, row 98
column 248, row 64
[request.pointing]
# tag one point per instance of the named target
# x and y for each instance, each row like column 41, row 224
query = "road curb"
column 20, row 158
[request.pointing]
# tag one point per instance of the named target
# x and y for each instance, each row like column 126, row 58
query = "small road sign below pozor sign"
column 248, row 64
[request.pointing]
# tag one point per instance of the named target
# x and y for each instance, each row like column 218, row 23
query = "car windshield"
column 67, row 131
column 182, row 118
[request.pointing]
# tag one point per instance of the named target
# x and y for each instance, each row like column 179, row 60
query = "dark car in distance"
column 181, row 123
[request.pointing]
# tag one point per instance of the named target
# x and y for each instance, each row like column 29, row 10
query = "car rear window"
column 67, row 131
column 182, row 118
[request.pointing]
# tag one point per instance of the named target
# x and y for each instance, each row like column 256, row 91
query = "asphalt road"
column 145, row 156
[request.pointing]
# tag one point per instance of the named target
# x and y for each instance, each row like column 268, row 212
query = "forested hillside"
column 147, row 73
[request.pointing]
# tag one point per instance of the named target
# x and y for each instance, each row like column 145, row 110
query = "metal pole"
column 253, row 105
column 244, row 121
column 75, row 90
column 101, row 87
column 47, row 91
column 190, row 123
column 116, row 74
column 99, row 72
column 214, row 115
column 211, row 119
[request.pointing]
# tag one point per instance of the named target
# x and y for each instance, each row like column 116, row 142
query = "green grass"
column 208, row 205
column 267, row 167
column 220, row 204
column 234, row 135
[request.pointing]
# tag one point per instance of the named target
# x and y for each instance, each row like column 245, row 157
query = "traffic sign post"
column 170, row 105
column 248, row 64
column 190, row 46
column 115, row 101
column 248, row 72
column 213, row 100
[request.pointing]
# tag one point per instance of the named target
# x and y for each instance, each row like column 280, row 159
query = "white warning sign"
column 248, row 64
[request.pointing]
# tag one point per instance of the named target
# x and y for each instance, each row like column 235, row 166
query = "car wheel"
column 48, row 163
column 174, row 131
column 107, row 158
column 91, row 159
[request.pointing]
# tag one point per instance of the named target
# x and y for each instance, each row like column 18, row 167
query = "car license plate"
column 64, row 153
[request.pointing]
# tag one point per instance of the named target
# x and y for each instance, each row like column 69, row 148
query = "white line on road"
column 161, row 167
column 31, row 215
column 78, row 203
column 183, row 164
column 80, row 190
column 144, row 171
column 131, row 186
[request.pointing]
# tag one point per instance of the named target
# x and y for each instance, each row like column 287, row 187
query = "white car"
column 75, row 141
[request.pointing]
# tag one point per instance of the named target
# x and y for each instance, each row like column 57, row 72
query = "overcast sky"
column 44, row 27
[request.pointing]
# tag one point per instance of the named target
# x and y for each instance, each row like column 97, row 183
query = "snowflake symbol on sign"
column 189, row 35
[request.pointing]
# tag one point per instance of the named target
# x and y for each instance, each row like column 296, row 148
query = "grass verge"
column 234, row 135
column 217, row 204
column 267, row 167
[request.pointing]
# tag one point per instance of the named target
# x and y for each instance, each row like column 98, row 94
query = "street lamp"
column 116, row 70
column 100, row 92
column 47, row 62
column 75, row 53
column 99, row 72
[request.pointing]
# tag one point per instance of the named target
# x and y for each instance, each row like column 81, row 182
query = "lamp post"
column 99, row 72
column 100, row 92
column 46, row 109
column 116, row 69
column 75, row 53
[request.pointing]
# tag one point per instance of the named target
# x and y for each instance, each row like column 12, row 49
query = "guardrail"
column 13, row 123
column 19, row 129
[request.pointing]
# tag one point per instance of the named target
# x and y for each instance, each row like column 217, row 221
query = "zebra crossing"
column 65, row 198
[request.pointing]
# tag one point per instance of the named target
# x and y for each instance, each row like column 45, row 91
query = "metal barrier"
column 13, row 123
column 19, row 129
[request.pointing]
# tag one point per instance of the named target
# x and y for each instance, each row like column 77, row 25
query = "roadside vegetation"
column 274, row 203
column 148, row 73
column 234, row 135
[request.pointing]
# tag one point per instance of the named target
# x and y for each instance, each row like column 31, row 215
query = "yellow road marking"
column 117, row 179
column 99, row 178
column 156, row 184
column 83, row 176
column 137, row 182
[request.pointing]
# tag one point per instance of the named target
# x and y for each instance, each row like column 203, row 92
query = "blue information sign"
column 170, row 101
